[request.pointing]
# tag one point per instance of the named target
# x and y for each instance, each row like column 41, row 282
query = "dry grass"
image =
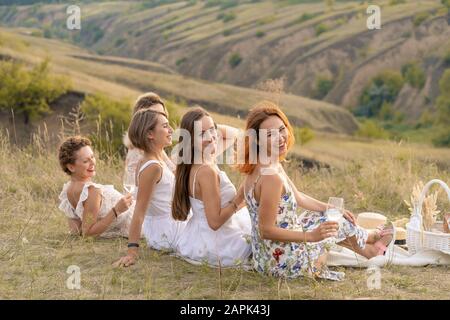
column 36, row 250
column 342, row 150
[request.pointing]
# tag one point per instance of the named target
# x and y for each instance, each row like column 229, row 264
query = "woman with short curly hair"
column 91, row 209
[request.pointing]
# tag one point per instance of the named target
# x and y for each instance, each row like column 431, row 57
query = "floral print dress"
column 292, row 259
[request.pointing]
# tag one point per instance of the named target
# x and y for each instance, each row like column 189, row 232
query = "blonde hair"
column 141, row 124
column 148, row 100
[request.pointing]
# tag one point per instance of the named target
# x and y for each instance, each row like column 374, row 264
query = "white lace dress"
column 110, row 196
column 229, row 245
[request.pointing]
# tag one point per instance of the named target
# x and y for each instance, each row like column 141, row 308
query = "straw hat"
column 370, row 220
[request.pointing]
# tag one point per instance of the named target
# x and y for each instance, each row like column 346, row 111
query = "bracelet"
column 114, row 211
column 133, row 244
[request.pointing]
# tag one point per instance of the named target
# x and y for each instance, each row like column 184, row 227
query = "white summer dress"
column 110, row 196
column 229, row 245
column 160, row 229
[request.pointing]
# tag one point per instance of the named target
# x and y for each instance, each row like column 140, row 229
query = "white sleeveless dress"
column 110, row 196
column 134, row 156
column 229, row 245
column 160, row 229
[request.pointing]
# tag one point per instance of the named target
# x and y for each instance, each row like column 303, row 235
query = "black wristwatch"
column 133, row 245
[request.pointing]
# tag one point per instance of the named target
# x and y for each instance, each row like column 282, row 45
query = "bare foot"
column 387, row 236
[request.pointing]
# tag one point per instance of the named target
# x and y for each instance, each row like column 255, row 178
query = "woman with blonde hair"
column 152, row 101
column 150, row 131
column 285, row 243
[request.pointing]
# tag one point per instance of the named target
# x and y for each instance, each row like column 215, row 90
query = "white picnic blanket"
column 340, row 256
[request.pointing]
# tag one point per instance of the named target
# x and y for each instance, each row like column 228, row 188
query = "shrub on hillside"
column 447, row 59
column 396, row 2
column 228, row 4
column 386, row 111
column 442, row 137
column 224, row 4
column 119, row 42
column 444, row 83
column 172, row 108
column 304, row 17
column 414, row 75
column 321, row 28
column 383, row 88
column 226, row 17
column 323, row 85
column 227, row 32
column 112, row 119
column 235, row 60
column 370, row 129
column 260, row 34
column 303, row 135
column 420, row 17
column 29, row 92
column 443, row 109
column 443, row 101
column 426, row 119
column 146, row 4
column 48, row 32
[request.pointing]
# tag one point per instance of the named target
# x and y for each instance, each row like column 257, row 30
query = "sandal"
column 388, row 232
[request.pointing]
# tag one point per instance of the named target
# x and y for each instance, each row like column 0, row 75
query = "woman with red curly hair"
column 285, row 243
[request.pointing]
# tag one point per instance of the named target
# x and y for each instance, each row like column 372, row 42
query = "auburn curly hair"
column 260, row 112
column 67, row 151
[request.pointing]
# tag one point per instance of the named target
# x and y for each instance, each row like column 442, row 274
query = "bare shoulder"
column 94, row 194
column 152, row 172
column 206, row 173
column 94, row 197
column 270, row 186
column 271, row 180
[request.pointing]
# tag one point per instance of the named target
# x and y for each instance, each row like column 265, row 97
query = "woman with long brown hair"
column 217, row 232
column 285, row 243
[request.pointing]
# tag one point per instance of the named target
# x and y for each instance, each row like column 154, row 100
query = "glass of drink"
column 335, row 209
column 129, row 182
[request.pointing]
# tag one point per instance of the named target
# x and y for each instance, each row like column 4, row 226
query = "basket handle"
column 425, row 190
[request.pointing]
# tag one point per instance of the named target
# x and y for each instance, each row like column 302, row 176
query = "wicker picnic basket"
column 417, row 238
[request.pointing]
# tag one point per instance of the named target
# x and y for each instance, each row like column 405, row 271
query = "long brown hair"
column 256, row 116
column 181, row 204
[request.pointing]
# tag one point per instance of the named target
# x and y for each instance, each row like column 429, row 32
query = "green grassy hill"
column 121, row 78
column 126, row 78
column 322, row 51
